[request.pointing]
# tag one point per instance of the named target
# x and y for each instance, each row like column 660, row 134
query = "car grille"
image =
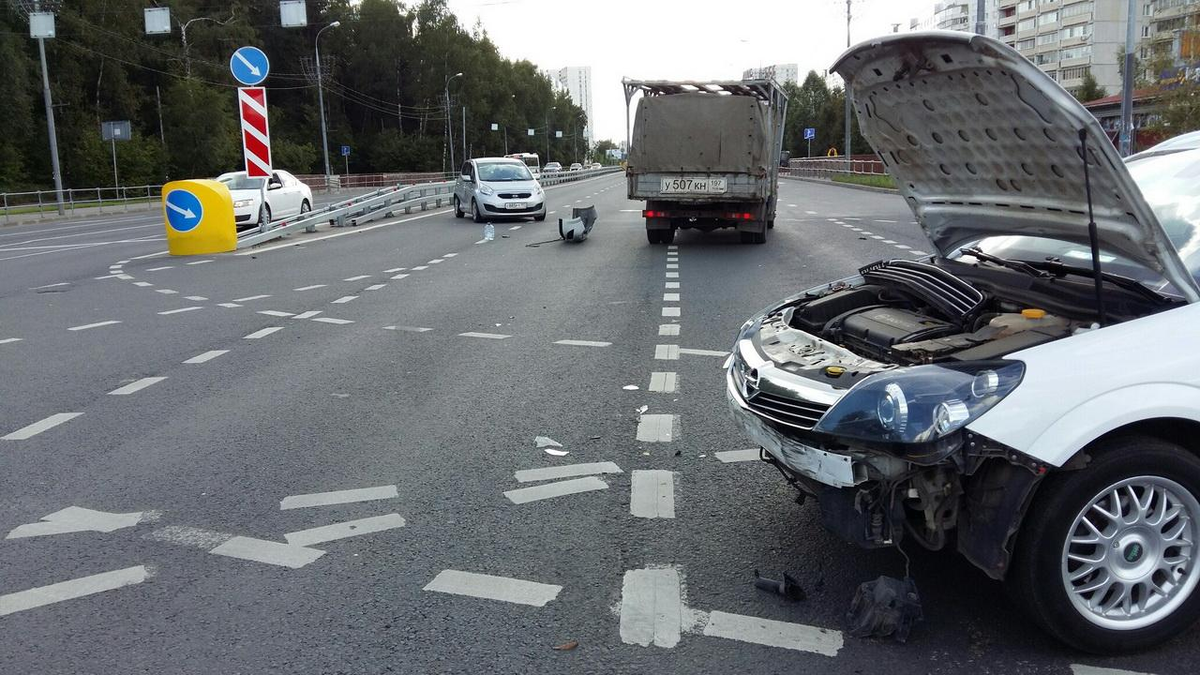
column 803, row 414
column 515, row 195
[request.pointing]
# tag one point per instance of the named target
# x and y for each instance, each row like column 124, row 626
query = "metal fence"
column 826, row 167
column 42, row 204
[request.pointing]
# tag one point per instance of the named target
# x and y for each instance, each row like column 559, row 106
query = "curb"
column 851, row 186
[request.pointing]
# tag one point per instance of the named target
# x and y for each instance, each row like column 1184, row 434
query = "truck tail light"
column 654, row 214
column 740, row 216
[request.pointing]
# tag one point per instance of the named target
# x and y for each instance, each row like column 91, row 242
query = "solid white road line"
column 167, row 291
column 408, row 329
column 252, row 297
column 664, row 382
column 338, row 497
column 774, row 633
column 488, row 587
column 670, row 297
column 270, row 552
column 336, row 322
column 275, row 312
column 357, row 278
column 487, row 336
column 583, row 343
column 307, row 315
column 309, row 288
column 703, row 352
column 728, row 456
column 657, row 428
column 180, row 310
column 668, row 329
column 399, row 276
column 263, row 333
column 40, row 426
column 73, row 589
column 555, row 489
column 651, row 607
column 135, row 386
column 98, row 324
column 374, row 287
column 565, row 471
column 352, row 528
column 1081, row 669
column 8, row 340
column 670, row 311
column 344, row 299
column 228, row 304
column 76, row 519
column 652, row 494
column 207, row 356
column 666, row 352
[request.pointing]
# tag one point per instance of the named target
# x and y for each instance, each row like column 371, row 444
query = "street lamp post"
column 450, row 120
column 553, row 107
column 321, row 97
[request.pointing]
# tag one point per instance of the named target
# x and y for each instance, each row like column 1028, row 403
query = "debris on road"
column 886, row 607
column 566, row 646
column 787, row 586
column 557, row 453
column 630, row 387
column 546, row 442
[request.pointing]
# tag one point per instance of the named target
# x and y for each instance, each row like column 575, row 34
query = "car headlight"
column 486, row 190
column 242, row 203
column 921, row 404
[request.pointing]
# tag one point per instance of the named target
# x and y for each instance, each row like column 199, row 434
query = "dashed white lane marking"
column 76, row 519
column 672, row 266
column 343, row 300
column 352, row 528
column 583, row 343
column 729, row 456
column 9, row 340
column 566, row 471
column 142, row 284
column 136, row 386
column 651, row 607
column 486, row 336
column 652, row 494
column 207, row 356
column 73, row 589
column 856, row 229
column 275, row 312
column 270, row 552
column 664, row 382
column 195, row 298
column 199, row 262
column 666, row 352
column 418, row 268
column 668, row 329
column 916, row 252
column 338, row 497
column 263, row 333
column 855, row 219
column 774, row 633
column 888, row 241
column 159, row 269
column 309, row 288
column 811, row 213
column 252, row 297
column 374, row 287
column 336, row 322
column 180, row 310
column 394, row 270
column 62, row 283
column 40, row 426
column 670, row 297
column 436, row 261
column 670, row 311
column 672, row 247
column 791, row 206
column 167, row 291
column 884, row 221
column 398, row 277
column 98, row 324
column 514, row 227
column 449, row 255
column 876, row 236
column 408, row 329
column 672, row 275
column 307, row 315
column 658, row 428
column 1081, row 669
column 357, row 278
column 703, row 352
column 488, row 587
column 230, row 305
column 560, row 488
column 903, row 247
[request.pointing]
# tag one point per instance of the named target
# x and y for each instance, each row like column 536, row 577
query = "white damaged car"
column 1030, row 394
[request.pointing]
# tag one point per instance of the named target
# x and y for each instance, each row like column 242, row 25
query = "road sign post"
column 113, row 132
column 250, row 66
column 809, row 134
column 346, row 157
column 256, row 131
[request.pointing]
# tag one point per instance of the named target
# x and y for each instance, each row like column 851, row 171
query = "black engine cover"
column 875, row 330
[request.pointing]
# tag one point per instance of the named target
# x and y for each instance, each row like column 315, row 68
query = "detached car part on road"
column 1030, row 394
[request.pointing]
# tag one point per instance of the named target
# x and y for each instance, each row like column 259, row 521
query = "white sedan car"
column 285, row 197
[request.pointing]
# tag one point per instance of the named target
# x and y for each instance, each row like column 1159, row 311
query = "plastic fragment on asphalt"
column 886, row 607
column 546, row 442
column 556, row 453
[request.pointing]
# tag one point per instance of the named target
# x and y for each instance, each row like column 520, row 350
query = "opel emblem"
column 750, row 384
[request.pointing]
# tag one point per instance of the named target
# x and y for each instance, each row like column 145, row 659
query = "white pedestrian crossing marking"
column 352, row 528
column 269, row 552
column 651, row 607
column 774, row 633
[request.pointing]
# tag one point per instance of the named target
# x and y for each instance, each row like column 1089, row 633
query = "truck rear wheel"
column 754, row 237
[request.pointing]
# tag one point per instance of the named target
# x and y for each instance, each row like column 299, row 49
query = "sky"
column 677, row 39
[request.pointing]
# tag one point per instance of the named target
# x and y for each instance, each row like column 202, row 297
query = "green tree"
column 600, row 152
column 1090, row 90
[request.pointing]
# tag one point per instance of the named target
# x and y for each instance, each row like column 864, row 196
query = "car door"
column 294, row 188
column 283, row 201
column 462, row 188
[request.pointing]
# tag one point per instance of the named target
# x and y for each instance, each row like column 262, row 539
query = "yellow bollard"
column 199, row 217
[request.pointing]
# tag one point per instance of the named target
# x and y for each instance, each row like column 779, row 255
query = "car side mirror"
column 467, row 179
column 274, row 185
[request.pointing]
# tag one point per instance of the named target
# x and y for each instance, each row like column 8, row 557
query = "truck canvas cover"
column 701, row 133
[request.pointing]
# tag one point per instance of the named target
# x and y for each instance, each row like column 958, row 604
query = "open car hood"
column 981, row 142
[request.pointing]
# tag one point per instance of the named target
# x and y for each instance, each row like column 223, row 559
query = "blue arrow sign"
column 345, row 151
column 809, row 133
column 184, row 211
column 249, row 66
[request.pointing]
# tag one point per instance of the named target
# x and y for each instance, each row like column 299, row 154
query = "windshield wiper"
column 1128, row 283
column 975, row 252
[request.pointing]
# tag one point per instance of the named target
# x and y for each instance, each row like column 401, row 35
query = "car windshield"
column 241, row 182
column 505, row 172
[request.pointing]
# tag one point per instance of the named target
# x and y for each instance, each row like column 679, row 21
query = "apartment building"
column 780, row 72
column 1171, row 29
column 576, row 81
column 1067, row 38
column 960, row 15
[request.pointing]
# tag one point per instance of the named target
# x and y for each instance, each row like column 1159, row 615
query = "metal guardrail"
column 827, row 167
column 40, row 204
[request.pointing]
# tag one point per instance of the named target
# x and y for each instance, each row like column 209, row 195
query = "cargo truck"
column 705, row 155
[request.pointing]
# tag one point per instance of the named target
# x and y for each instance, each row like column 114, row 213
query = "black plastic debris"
column 787, row 586
column 886, row 607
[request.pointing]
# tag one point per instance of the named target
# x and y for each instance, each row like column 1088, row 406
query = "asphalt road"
column 419, row 364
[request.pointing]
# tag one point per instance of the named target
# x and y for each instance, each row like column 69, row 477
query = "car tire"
column 264, row 215
column 458, row 212
column 746, row 237
column 668, row 236
column 540, row 217
column 654, row 236
column 771, row 224
column 475, row 214
column 1041, row 576
column 305, row 207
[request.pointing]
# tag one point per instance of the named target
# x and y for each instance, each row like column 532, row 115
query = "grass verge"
column 872, row 180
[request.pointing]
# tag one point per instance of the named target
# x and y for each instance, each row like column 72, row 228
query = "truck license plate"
column 694, row 185
column 514, row 205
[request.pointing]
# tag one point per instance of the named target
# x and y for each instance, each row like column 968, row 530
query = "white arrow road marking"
column 76, row 519
column 246, row 62
column 186, row 213
column 70, row 590
column 505, row 589
column 338, row 497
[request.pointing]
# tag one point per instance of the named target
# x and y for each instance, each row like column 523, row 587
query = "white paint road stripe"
column 135, row 386
column 252, row 297
column 671, row 284
column 672, row 275
column 199, row 262
column 664, row 382
column 357, row 278
column 338, row 497
column 488, row 587
column 482, row 241
column 748, row 455
column 436, row 261
column 228, row 304
column 76, row 519
column 670, row 311
column 98, row 324
column 514, row 227
column 8, row 340
column 671, row 297
column 270, row 552
column 158, row 269
column 668, row 329
column 399, row 276
column 658, row 428
column 143, row 284
column 418, row 268
column 408, row 329
column 309, row 288
column 207, row 356
column 195, row 298
column 62, row 283
column 583, row 343
column 307, row 315
column 73, row 589
column 167, row 291
column 275, row 312
column 566, row 471
column 40, row 426
column 651, row 607
column 652, row 494
column 672, row 266
column 774, row 633
column 352, row 528
column 336, row 322
column 555, row 489
column 1081, row 669
column 263, row 333
column 486, row 336
column 666, row 352
column 449, row 255
column 181, row 310
column 358, row 230
column 703, row 352
column 374, row 287
column 394, row 270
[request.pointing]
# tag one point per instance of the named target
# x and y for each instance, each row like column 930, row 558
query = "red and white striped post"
column 256, row 132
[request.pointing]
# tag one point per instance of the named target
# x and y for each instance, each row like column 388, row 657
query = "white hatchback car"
column 1030, row 394
column 258, row 200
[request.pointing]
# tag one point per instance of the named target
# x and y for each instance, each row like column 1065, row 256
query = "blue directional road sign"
column 249, row 66
column 809, row 133
column 345, row 151
column 184, row 211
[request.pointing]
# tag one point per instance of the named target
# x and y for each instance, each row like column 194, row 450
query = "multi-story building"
column 1067, row 38
column 576, row 81
column 780, row 72
column 960, row 15
column 1169, row 31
